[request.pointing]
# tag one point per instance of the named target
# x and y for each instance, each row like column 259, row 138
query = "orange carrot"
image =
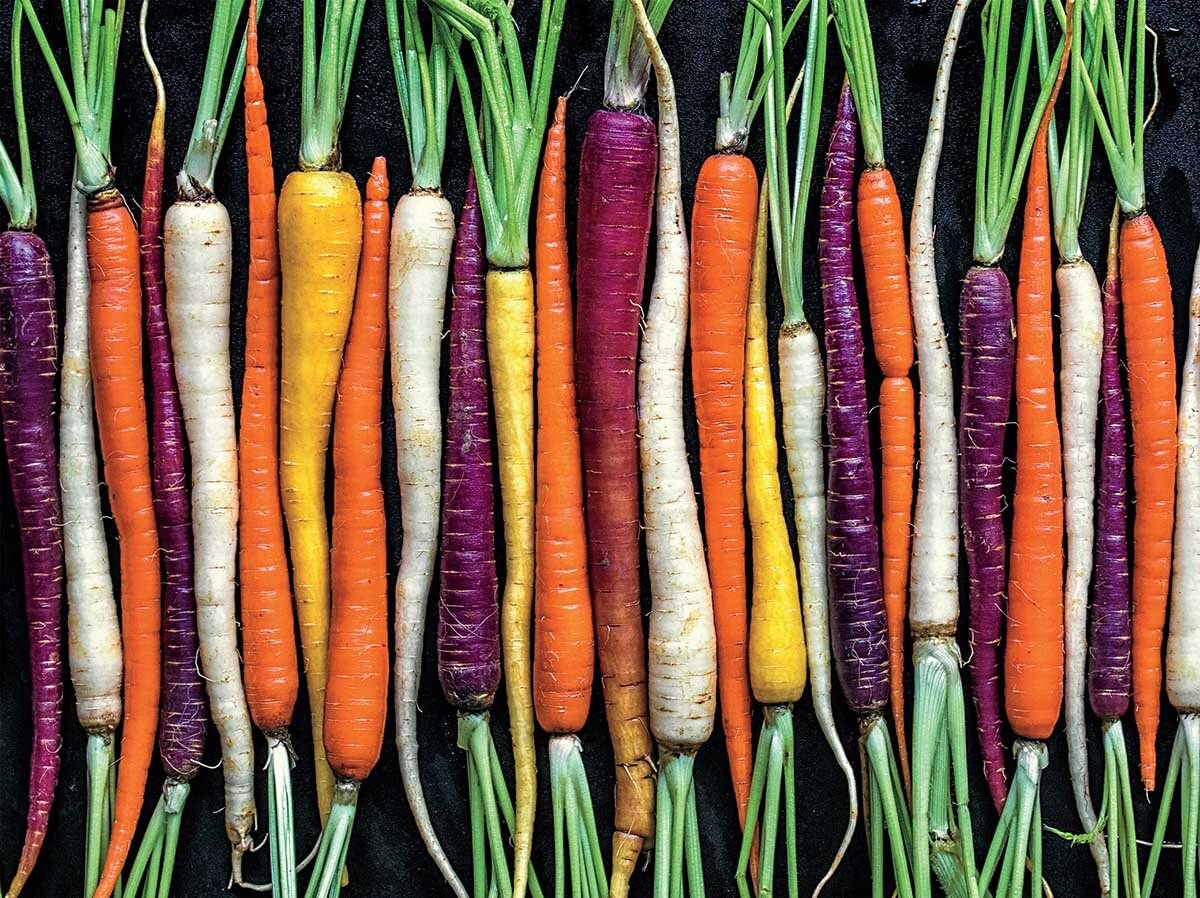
column 1147, row 319
column 881, row 232
column 564, row 645
column 1033, row 654
column 356, row 695
column 723, row 220
column 115, row 344
column 269, row 642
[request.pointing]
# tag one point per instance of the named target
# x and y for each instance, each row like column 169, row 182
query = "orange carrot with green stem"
column 881, row 233
column 1148, row 319
column 115, row 339
column 564, row 644
column 356, row 697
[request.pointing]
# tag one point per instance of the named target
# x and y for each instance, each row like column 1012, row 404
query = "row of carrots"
column 587, row 395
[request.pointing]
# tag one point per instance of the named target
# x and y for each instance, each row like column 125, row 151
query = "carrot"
column 115, row 345
column 1033, row 655
column 564, row 646
column 723, row 220
column 272, row 676
column 881, row 233
column 320, row 236
column 421, row 247
column 356, row 700
column 1148, row 321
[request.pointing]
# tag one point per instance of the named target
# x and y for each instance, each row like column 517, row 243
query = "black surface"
column 700, row 37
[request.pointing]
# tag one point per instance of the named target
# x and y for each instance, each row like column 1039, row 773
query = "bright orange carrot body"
column 115, row 347
column 1148, row 322
column 356, row 697
column 723, row 222
column 564, row 642
column 881, row 235
column 268, row 634
column 1033, row 653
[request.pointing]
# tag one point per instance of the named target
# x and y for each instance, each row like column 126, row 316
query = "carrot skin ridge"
column 1148, row 322
column 988, row 354
column 468, row 611
column 564, row 641
column 28, row 410
column 356, row 697
column 858, row 620
column 183, row 715
column 617, row 170
column 1110, row 673
column 115, row 348
column 723, row 221
column 272, row 678
column 1033, row 653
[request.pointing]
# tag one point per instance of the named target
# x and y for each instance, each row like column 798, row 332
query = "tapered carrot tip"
column 560, row 111
column 377, row 184
column 626, row 849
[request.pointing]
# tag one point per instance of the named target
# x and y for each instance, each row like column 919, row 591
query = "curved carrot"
column 115, row 347
column 564, row 644
column 881, row 235
column 1033, row 654
column 268, row 636
column 723, row 222
column 1147, row 318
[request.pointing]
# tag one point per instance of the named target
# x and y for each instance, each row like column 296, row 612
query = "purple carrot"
column 858, row 618
column 182, row 718
column 468, row 616
column 617, row 169
column 986, row 340
column 1111, row 639
column 28, row 410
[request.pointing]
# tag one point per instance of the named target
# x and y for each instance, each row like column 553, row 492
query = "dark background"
column 700, row 37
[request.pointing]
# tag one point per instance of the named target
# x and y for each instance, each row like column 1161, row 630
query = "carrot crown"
column 93, row 38
column 787, row 223
column 424, row 83
column 1071, row 162
column 1004, row 147
column 506, row 138
column 858, row 53
column 215, row 110
column 1121, row 128
column 626, row 63
column 16, row 188
column 325, row 79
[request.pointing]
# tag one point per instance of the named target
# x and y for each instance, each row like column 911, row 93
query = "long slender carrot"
column 1148, row 320
column 881, row 233
column 268, row 629
column 356, row 697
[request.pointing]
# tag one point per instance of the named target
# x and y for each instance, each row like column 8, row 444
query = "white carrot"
column 198, row 260
column 682, row 647
column 938, row 705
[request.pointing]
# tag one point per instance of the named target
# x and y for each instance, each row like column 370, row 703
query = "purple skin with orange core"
column 858, row 617
column 988, row 358
column 183, row 713
column 1110, row 672
column 468, row 612
column 28, row 410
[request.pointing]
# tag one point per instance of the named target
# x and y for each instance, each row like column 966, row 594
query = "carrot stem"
column 326, row 881
column 887, row 800
column 280, row 821
column 100, row 766
column 1183, row 772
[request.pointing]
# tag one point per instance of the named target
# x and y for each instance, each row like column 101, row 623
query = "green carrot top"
column 1121, row 128
column 325, row 79
column 214, row 111
column 16, row 188
column 505, row 136
column 787, row 222
column 424, row 83
column 858, row 53
column 626, row 63
column 1071, row 160
column 1004, row 147
column 88, row 100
